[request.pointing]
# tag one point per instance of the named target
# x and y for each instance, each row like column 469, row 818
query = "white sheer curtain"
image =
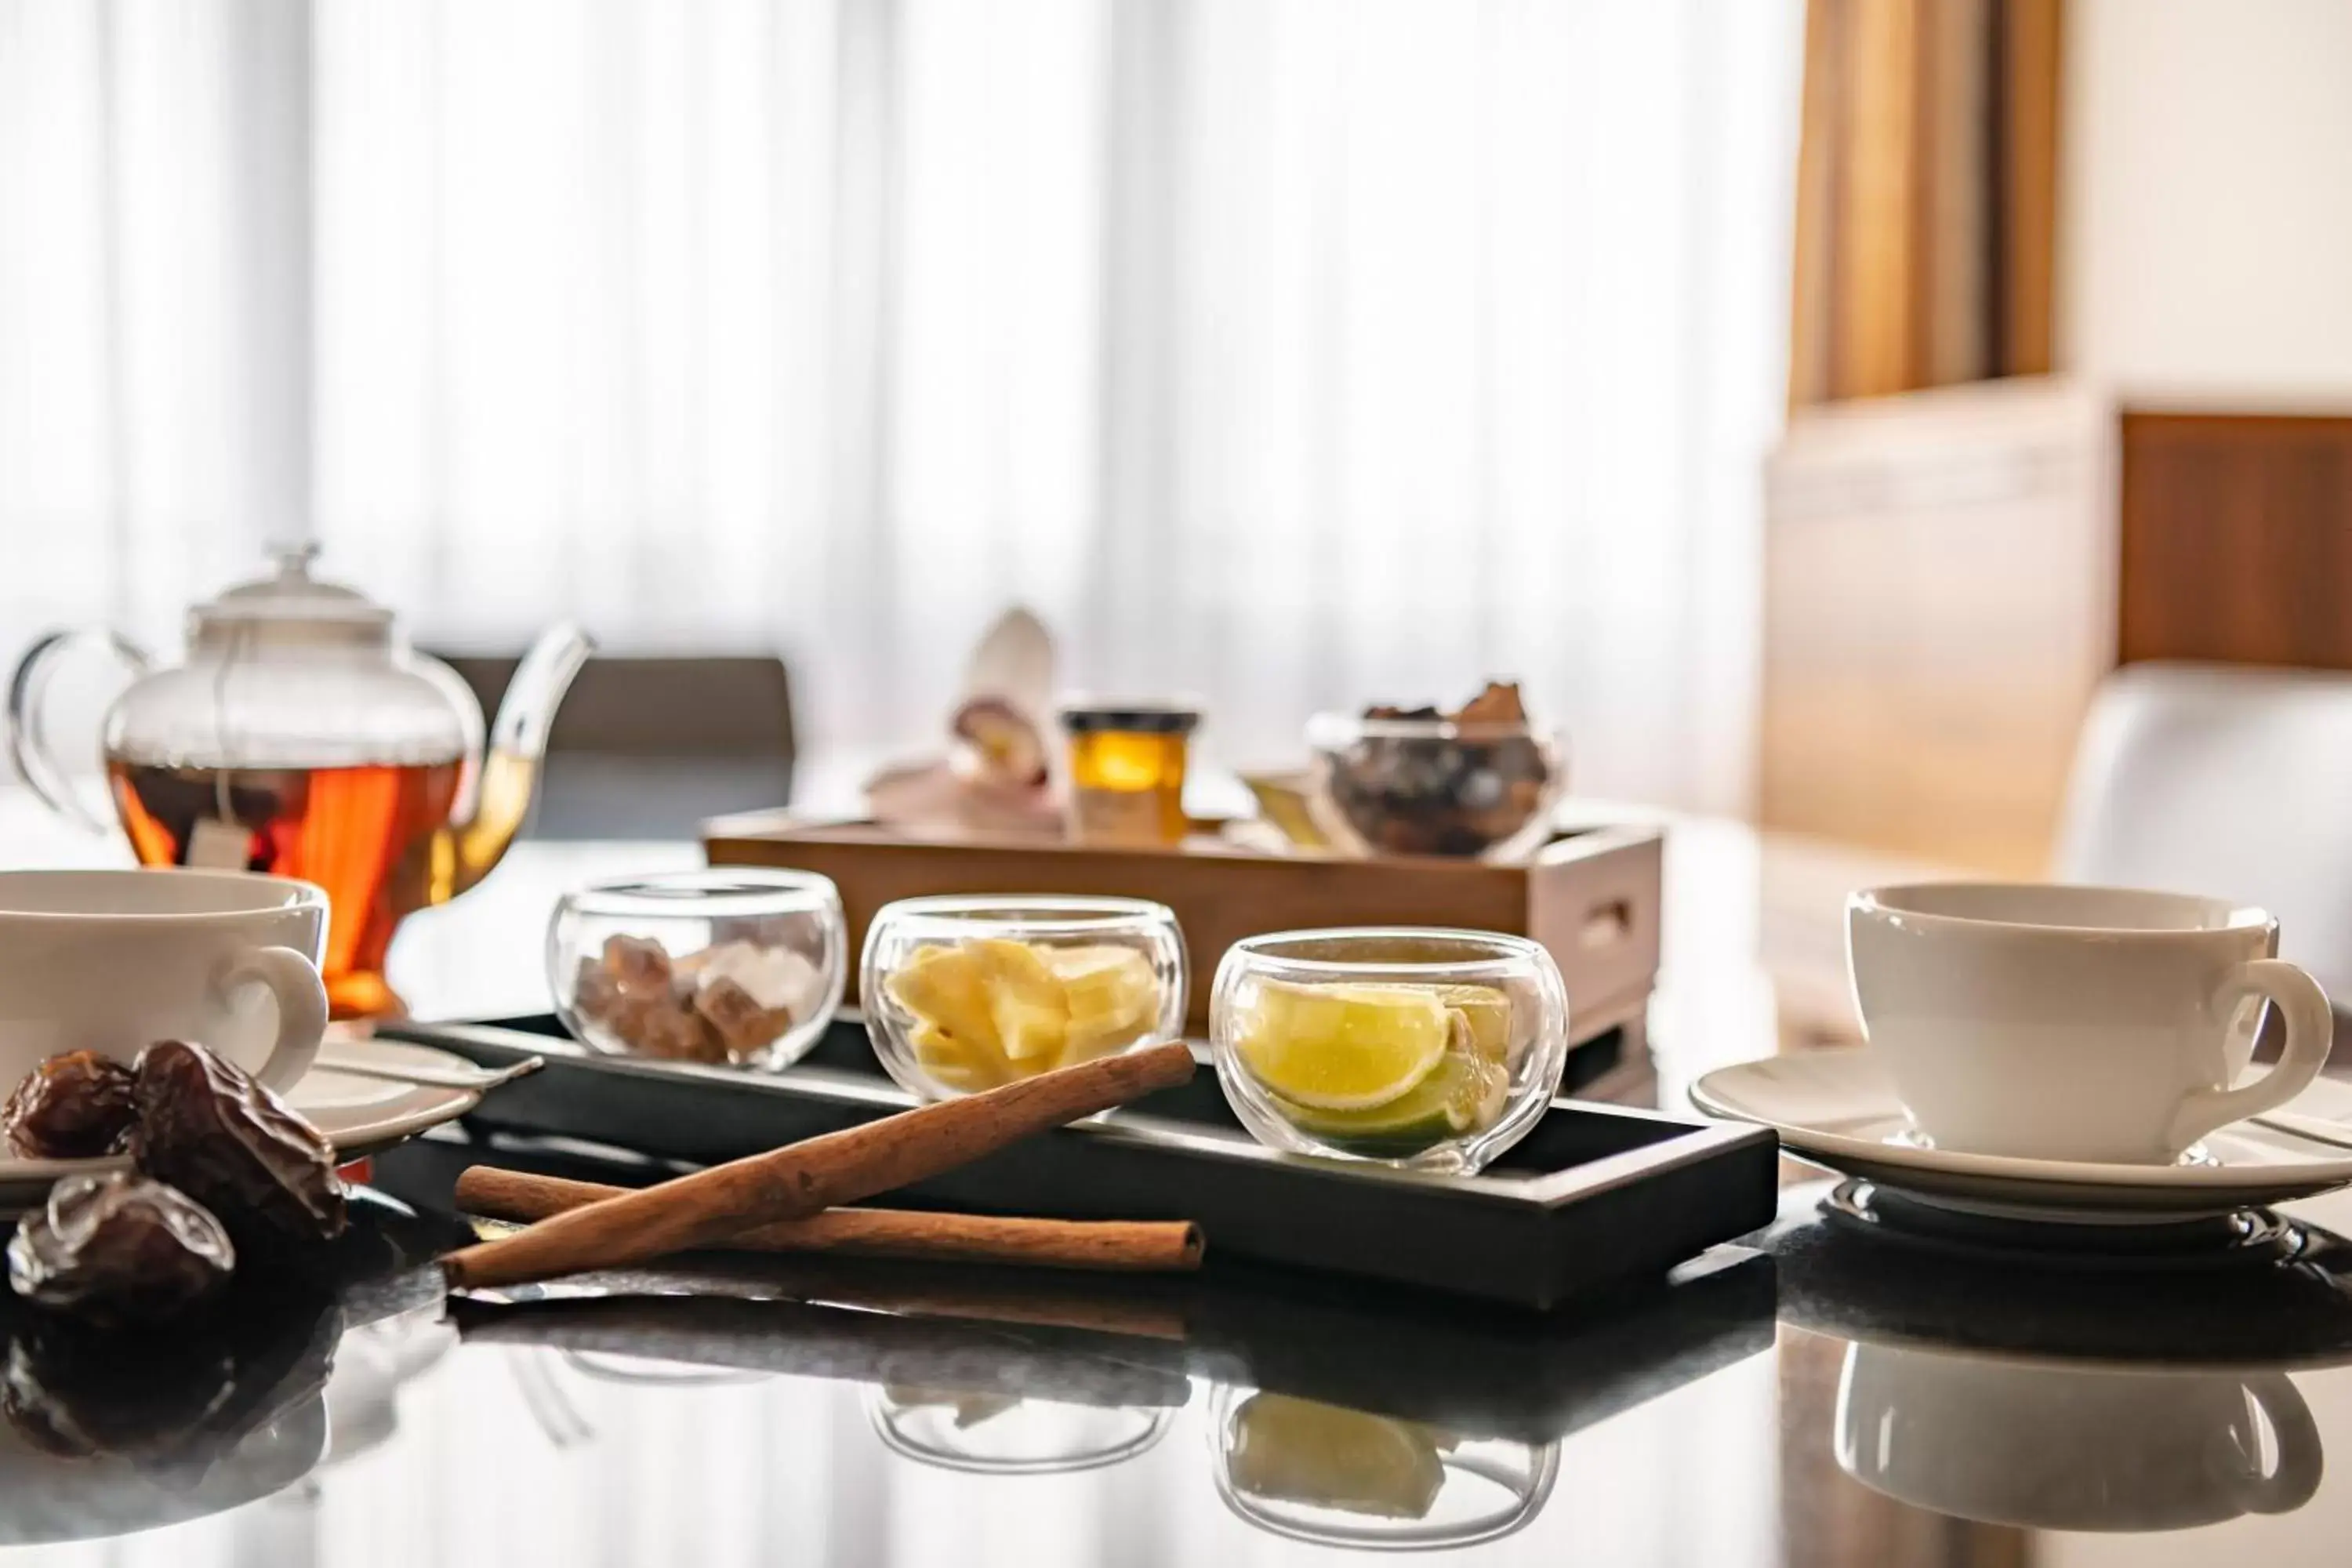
column 1296, row 353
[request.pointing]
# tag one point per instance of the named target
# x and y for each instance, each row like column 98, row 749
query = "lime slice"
column 1488, row 1011
column 1464, row 1094
column 1342, row 1047
column 1296, row 1450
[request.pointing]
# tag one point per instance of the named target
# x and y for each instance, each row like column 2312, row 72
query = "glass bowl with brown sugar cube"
column 729, row 966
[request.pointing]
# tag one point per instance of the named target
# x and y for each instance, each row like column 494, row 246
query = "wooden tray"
column 1589, row 897
column 1595, row 1197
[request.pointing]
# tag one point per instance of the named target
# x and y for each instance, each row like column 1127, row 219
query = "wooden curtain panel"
column 1925, row 195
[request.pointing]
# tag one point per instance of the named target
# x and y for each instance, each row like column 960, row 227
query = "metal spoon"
column 2313, row 1129
column 357, row 1066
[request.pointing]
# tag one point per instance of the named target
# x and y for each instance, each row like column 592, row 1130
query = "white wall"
column 2207, row 199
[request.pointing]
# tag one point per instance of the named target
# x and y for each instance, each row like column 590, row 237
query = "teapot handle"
column 28, row 745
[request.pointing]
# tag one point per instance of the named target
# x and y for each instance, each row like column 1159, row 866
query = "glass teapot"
column 301, row 736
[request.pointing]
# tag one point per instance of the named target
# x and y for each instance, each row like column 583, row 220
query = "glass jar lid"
column 1125, row 716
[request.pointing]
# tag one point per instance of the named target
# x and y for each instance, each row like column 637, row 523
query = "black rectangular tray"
column 1596, row 1196
column 1476, row 1369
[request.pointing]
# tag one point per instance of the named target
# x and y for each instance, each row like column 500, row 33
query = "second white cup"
column 2078, row 1024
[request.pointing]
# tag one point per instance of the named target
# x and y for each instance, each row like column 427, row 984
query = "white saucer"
column 1837, row 1109
column 359, row 1115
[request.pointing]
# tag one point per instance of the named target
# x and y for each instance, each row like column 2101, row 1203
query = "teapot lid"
column 292, row 598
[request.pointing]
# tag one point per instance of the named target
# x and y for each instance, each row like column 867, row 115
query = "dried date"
column 76, row 1106
column 118, row 1250
column 209, row 1129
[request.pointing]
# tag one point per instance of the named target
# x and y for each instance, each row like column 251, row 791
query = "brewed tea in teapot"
column 304, row 737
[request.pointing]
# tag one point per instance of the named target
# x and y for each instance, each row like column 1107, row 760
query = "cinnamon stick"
column 811, row 1177
column 812, row 1340
column 1140, row 1245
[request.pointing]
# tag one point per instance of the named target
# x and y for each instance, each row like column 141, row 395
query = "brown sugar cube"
column 636, row 964
column 743, row 1026
column 664, row 1030
column 594, row 993
column 628, row 1018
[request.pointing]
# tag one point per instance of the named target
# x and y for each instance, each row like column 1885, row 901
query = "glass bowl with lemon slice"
column 964, row 994
column 1426, row 1048
column 1350, row 1477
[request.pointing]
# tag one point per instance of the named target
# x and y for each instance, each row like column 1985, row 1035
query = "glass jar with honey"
column 1126, row 770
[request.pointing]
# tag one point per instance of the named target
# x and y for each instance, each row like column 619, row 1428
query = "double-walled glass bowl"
column 1348, row 1477
column 964, row 994
column 1428, row 1048
column 733, row 964
column 1435, row 787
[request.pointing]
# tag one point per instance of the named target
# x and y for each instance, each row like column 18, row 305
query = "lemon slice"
column 1296, row 1450
column 1488, row 1012
column 1465, row 1094
column 1342, row 1047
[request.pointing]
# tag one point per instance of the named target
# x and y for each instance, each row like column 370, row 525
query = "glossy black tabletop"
column 1807, row 1396
column 1811, row 1395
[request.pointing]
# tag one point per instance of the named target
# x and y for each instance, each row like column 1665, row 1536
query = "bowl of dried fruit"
column 1481, row 780
column 967, row 994
column 730, row 965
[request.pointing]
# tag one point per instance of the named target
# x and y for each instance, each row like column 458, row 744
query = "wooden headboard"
column 1948, row 575
column 2236, row 538
column 1937, row 610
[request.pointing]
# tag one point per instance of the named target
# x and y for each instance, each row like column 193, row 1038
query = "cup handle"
column 2291, row 1485
column 302, row 996
column 2310, row 1032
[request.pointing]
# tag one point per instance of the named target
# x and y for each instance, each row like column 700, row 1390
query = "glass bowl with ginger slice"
column 967, row 994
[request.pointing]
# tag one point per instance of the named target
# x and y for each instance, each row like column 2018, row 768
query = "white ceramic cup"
column 2049, row 1021
column 2068, row 1448
column 111, row 961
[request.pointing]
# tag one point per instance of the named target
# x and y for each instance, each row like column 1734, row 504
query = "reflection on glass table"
column 2073, row 1389
column 372, row 1364
column 1325, row 1473
column 104, row 1434
column 995, row 1434
column 100, row 1443
column 2055, row 1446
